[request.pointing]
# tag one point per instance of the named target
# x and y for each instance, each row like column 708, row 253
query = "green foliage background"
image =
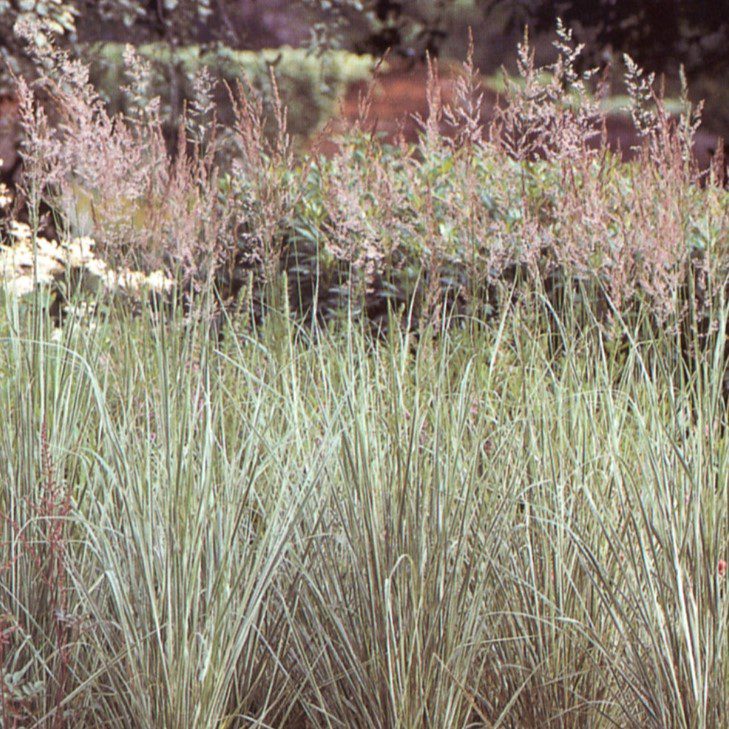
column 309, row 85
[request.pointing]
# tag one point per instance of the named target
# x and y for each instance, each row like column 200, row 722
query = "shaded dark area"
column 659, row 34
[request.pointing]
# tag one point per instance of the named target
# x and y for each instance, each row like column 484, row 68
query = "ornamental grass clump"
column 113, row 178
column 473, row 213
column 142, row 545
column 538, row 196
column 287, row 531
column 509, row 509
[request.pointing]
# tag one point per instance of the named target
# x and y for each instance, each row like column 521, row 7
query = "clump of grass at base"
column 463, row 530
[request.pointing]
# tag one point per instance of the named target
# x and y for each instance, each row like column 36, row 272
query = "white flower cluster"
column 25, row 263
column 6, row 198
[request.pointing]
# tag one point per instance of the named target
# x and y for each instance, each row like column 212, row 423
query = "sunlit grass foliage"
column 473, row 529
